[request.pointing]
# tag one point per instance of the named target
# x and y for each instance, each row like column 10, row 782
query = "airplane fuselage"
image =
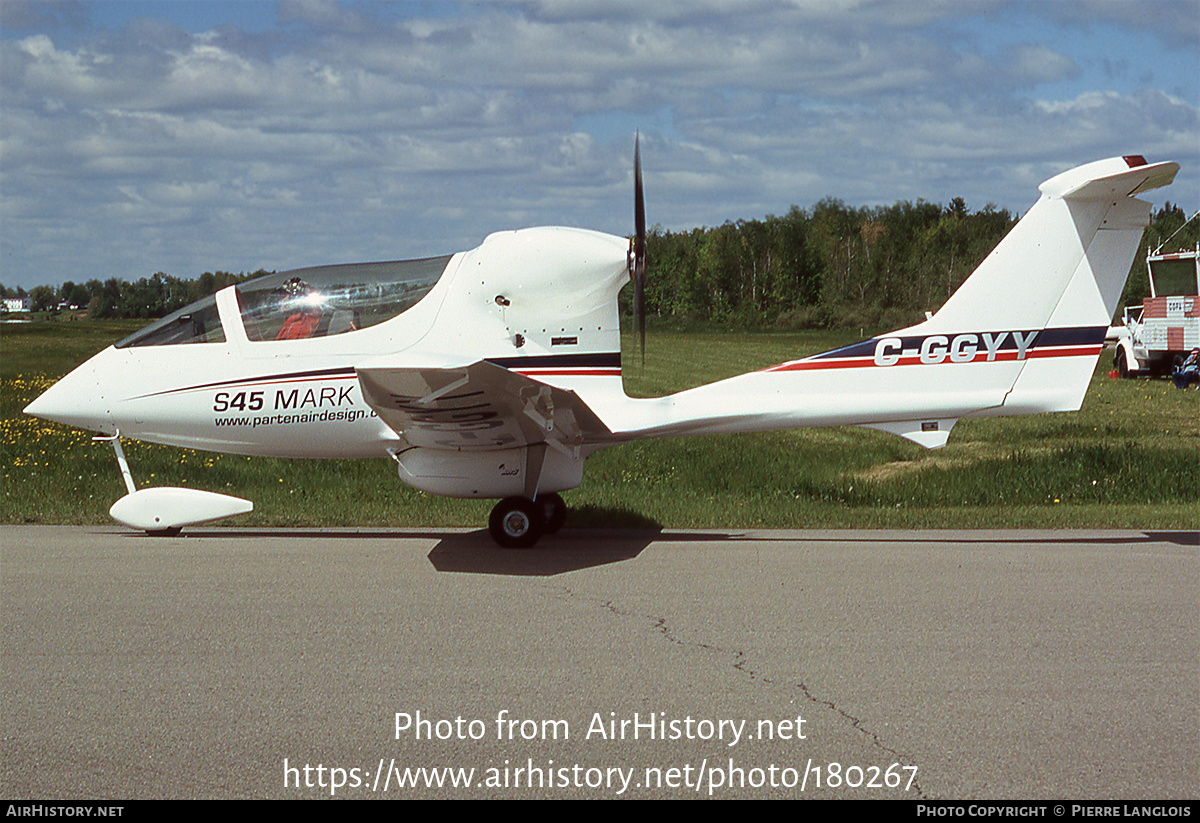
column 241, row 394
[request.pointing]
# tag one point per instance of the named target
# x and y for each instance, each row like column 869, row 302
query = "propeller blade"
column 639, row 248
column 639, row 200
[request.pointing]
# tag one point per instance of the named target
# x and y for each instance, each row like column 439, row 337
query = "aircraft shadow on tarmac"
column 572, row 550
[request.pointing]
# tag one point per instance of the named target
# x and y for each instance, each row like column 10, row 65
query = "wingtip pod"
column 166, row 508
column 1114, row 177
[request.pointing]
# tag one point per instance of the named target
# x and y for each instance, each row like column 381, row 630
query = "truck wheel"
column 1122, row 366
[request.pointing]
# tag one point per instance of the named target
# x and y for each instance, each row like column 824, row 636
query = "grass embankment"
column 1129, row 459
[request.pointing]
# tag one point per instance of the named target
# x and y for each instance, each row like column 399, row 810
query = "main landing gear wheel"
column 516, row 523
column 554, row 512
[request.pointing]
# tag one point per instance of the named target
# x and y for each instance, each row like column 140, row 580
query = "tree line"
column 154, row 296
column 835, row 265
column 831, row 266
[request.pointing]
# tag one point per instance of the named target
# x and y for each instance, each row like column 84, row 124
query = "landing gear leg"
column 128, row 475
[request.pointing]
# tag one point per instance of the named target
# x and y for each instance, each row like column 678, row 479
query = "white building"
column 17, row 304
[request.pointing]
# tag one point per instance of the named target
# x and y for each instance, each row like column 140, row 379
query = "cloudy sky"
column 183, row 136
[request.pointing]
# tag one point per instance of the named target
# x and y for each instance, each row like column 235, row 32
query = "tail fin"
column 1059, row 258
column 1059, row 273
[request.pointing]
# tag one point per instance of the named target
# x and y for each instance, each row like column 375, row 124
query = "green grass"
column 1129, row 459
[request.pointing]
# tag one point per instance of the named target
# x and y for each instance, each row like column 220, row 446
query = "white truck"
column 1157, row 335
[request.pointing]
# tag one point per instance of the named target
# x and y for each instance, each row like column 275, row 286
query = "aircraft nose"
column 75, row 400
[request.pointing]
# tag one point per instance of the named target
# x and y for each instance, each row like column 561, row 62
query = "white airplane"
column 496, row 372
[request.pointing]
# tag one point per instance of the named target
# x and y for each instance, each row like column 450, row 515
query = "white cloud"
column 352, row 131
column 1035, row 64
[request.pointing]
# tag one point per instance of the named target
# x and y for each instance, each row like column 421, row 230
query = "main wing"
column 480, row 407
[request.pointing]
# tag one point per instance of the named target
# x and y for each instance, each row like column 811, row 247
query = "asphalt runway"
column 230, row 663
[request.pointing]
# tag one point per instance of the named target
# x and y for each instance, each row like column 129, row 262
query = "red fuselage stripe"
column 863, row 362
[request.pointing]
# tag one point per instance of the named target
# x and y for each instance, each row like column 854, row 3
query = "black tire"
column 554, row 512
column 516, row 523
column 1121, row 364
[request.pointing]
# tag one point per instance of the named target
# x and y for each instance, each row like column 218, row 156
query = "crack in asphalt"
column 740, row 664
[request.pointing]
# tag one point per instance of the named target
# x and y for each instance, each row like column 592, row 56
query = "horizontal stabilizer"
column 1111, row 179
